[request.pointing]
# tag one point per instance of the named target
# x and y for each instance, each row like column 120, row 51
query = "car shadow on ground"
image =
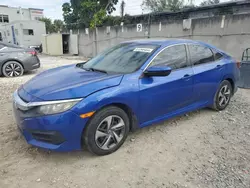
column 32, row 72
column 137, row 135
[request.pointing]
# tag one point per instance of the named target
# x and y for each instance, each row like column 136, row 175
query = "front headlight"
column 55, row 108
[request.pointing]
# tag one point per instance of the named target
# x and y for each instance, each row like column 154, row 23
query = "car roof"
column 167, row 42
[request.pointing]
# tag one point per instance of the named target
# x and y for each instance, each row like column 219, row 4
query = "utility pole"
column 122, row 8
column 149, row 24
column 96, row 50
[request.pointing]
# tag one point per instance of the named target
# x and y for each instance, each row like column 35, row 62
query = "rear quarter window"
column 217, row 55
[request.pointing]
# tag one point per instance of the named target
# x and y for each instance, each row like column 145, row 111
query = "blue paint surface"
column 150, row 99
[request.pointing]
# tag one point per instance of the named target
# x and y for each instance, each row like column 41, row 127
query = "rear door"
column 208, row 69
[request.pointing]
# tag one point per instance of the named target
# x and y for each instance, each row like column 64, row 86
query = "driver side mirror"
column 158, row 71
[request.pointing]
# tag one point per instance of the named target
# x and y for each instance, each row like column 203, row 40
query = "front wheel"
column 106, row 131
column 223, row 96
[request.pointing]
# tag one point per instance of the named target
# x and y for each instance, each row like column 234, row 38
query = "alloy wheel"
column 110, row 132
column 13, row 70
column 224, row 95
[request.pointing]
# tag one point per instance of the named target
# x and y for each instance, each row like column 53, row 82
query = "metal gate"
column 245, row 70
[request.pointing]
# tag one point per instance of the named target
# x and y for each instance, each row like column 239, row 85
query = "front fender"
column 109, row 96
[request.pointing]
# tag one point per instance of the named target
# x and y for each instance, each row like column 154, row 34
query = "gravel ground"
column 200, row 149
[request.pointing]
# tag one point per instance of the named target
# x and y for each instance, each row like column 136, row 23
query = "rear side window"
column 200, row 54
column 174, row 57
column 1, row 46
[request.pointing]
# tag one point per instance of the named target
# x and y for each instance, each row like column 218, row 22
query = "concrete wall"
column 230, row 33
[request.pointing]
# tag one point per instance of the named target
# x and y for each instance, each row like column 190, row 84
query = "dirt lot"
column 200, row 149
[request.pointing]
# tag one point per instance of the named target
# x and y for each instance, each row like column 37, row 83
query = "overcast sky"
column 53, row 8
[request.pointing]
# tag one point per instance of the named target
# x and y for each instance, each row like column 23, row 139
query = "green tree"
column 69, row 17
column 50, row 28
column 59, row 25
column 163, row 5
column 87, row 13
column 209, row 2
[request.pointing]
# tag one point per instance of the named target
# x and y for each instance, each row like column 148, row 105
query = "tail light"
column 34, row 53
column 238, row 63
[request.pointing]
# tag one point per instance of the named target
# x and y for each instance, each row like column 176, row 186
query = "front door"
column 162, row 95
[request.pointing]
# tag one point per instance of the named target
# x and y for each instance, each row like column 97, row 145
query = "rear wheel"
column 223, row 96
column 12, row 69
column 107, row 131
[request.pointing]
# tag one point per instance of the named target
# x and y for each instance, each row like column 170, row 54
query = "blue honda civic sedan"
column 132, row 85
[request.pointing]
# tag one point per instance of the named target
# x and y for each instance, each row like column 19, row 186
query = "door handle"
column 186, row 76
column 219, row 67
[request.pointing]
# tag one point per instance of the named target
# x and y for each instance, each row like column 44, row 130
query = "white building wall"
column 23, row 38
column 17, row 14
column 36, row 14
column 38, row 30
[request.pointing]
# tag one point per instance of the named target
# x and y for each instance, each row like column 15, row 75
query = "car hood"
column 68, row 82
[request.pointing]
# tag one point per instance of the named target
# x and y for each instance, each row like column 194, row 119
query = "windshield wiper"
column 80, row 65
column 98, row 70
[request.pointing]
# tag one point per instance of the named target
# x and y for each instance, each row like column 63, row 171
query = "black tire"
column 218, row 106
column 12, row 69
column 90, row 136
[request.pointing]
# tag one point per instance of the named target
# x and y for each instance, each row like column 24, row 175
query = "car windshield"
column 123, row 58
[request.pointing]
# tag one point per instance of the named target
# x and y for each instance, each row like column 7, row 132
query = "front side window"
column 123, row 58
column 200, row 54
column 174, row 57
